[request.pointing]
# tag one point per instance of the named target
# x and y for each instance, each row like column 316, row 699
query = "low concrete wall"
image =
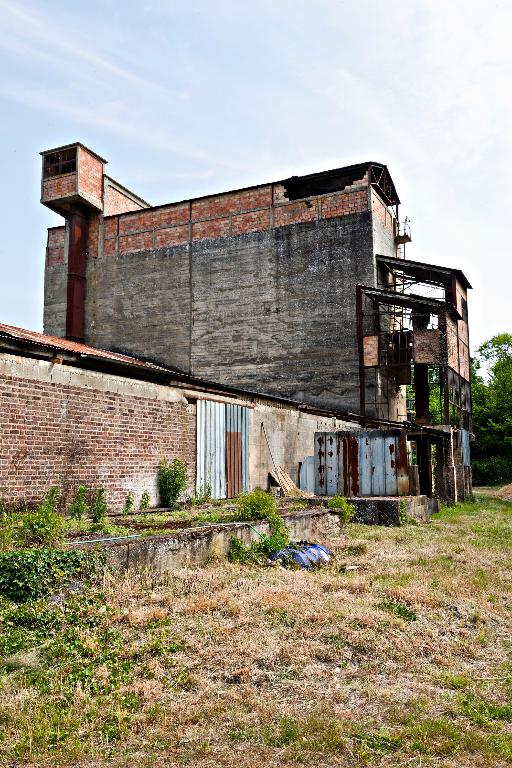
column 385, row 510
column 196, row 546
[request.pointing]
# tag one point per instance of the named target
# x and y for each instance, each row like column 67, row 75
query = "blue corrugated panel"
column 210, row 452
column 466, row 453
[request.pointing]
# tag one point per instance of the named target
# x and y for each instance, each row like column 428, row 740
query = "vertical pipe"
column 77, row 261
column 359, row 330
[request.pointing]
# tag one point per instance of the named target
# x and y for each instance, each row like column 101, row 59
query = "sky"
column 188, row 99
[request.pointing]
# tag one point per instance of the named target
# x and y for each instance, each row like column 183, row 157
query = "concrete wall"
column 275, row 311
column 141, row 303
column 246, row 288
column 164, row 553
column 291, row 435
column 271, row 311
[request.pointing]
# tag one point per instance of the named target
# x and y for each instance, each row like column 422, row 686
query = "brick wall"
column 90, row 177
column 59, row 186
column 117, row 201
column 55, row 248
column 56, row 433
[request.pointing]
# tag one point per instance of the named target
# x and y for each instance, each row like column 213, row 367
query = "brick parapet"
column 230, row 214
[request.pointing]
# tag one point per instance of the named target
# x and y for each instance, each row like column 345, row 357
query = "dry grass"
column 505, row 492
column 401, row 662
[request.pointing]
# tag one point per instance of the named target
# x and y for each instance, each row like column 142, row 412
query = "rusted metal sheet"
column 236, row 449
column 222, row 460
column 402, row 465
column 368, row 463
column 326, row 463
column 319, row 459
column 331, row 463
column 427, row 346
column 371, row 351
column 233, row 464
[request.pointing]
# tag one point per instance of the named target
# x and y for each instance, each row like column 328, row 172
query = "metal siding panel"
column 377, row 462
column 365, row 465
column 390, row 454
column 233, row 449
column 199, row 446
column 307, row 474
column 402, row 465
column 210, row 447
column 245, row 449
column 221, row 453
column 331, row 464
column 351, row 464
column 216, row 442
column 320, row 463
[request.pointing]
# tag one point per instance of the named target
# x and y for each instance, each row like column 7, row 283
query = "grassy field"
column 397, row 654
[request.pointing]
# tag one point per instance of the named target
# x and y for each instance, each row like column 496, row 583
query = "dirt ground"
column 396, row 654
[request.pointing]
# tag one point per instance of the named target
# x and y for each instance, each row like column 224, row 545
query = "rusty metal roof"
column 73, row 347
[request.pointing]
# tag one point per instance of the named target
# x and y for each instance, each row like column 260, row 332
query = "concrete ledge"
column 385, row 510
column 196, row 546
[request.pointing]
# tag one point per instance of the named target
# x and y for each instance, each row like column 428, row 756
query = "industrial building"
column 298, row 290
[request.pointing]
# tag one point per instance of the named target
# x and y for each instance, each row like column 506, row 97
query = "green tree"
column 492, row 411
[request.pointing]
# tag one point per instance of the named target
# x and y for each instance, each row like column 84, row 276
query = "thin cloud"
column 29, row 32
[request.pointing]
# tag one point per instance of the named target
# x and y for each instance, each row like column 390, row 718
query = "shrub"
column 495, row 470
column 345, row 510
column 257, row 505
column 99, row 510
column 79, row 507
column 172, row 481
column 144, row 501
column 129, row 503
column 44, row 526
column 28, row 574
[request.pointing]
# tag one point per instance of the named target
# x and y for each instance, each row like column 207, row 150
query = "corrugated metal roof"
column 64, row 345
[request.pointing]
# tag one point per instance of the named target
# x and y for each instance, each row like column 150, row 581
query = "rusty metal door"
column 222, row 449
column 234, row 450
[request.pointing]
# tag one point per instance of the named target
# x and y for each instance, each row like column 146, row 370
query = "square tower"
column 72, row 177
